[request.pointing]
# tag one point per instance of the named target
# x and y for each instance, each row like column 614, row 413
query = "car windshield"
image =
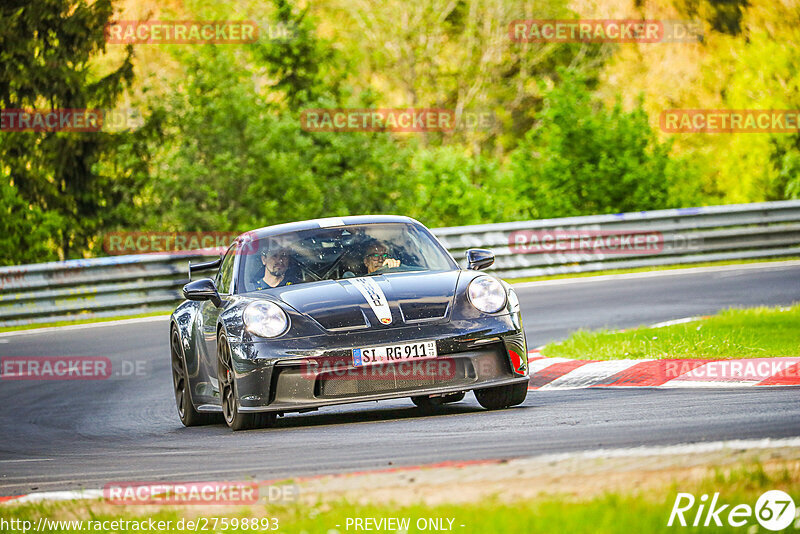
column 338, row 253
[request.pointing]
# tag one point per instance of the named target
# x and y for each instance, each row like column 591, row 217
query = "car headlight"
column 265, row 319
column 487, row 294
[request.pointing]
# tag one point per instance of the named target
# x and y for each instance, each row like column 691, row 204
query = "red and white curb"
column 562, row 373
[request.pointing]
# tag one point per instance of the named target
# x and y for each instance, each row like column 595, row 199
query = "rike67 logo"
column 774, row 510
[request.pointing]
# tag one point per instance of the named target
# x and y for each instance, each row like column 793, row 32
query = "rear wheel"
column 180, row 386
column 229, row 397
column 426, row 402
column 502, row 396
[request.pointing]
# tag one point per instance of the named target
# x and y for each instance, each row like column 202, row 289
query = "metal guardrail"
column 688, row 235
column 99, row 287
column 124, row 285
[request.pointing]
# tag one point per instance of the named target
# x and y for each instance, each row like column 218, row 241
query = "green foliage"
column 458, row 55
column 723, row 16
column 46, row 50
column 759, row 72
column 301, row 65
column 25, row 231
column 786, row 161
column 790, row 172
column 241, row 159
column 224, row 149
column 582, row 158
column 451, row 188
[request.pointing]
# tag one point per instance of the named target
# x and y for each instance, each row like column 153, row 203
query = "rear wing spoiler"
column 203, row 266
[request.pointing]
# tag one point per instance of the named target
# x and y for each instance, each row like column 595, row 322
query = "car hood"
column 382, row 301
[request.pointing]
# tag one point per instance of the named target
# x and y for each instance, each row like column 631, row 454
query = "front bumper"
column 290, row 376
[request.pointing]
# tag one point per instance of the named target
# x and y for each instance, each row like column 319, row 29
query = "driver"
column 276, row 263
column 377, row 256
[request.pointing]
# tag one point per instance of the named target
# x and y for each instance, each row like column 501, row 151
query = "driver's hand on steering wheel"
column 390, row 263
column 378, row 257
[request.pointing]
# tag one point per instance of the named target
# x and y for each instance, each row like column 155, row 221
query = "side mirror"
column 203, row 289
column 478, row 258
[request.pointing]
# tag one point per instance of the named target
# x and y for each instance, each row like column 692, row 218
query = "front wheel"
column 180, row 383
column 502, row 396
column 229, row 397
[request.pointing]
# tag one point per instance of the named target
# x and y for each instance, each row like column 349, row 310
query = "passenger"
column 378, row 256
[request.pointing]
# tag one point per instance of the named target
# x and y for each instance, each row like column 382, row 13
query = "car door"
column 210, row 312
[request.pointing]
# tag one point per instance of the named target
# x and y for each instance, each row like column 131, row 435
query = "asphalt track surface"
column 69, row 434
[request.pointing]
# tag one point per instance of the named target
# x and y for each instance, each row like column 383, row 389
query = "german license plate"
column 400, row 352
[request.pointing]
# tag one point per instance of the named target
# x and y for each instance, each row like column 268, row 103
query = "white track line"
column 673, row 322
column 27, row 460
column 59, row 496
column 653, row 274
column 83, row 326
column 681, row 449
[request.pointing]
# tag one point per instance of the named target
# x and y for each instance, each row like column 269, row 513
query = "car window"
column 225, row 273
column 345, row 252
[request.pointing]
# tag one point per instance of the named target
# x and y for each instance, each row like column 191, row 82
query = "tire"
column 180, row 387
column 502, row 396
column 426, row 402
column 229, row 397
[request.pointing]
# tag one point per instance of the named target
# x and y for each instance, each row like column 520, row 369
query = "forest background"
column 215, row 140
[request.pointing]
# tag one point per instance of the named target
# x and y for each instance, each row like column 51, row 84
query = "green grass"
column 645, row 269
column 610, row 513
column 80, row 321
column 734, row 333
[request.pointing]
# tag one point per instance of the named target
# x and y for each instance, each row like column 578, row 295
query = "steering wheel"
column 405, row 268
column 384, row 269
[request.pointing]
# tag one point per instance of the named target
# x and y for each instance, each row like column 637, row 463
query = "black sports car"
column 333, row 311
